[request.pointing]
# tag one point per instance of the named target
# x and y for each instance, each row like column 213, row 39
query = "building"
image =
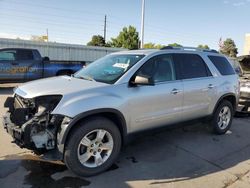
column 247, row 45
column 60, row 51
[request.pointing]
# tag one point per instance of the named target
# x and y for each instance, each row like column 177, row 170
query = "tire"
column 222, row 118
column 87, row 131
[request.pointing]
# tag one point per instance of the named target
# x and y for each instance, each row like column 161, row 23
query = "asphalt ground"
column 187, row 156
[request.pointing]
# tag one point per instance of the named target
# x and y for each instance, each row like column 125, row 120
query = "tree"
column 127, row 38
column 175, row 45
column 206, row 47
column 97, row 40
column 38, row 38
column 228, row 48
column 151, row 45
column 159, row 46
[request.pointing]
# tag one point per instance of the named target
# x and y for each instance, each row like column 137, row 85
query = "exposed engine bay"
column 30, row 122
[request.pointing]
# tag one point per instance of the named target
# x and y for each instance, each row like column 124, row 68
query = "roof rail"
column 167, row 47
column 189, row 48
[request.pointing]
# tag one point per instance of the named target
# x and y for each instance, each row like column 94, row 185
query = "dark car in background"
column 20, row 65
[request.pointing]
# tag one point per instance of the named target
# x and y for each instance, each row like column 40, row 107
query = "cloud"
column 238, row 4
column 13, row 36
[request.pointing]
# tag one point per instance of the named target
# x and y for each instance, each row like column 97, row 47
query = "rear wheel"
column 93, row 147
column 222, row 118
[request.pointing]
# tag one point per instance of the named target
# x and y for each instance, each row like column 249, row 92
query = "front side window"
column 109, row 68
column 8, row 55
column 191, row 66
column 159, row 68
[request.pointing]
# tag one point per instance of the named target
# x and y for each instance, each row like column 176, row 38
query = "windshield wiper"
column 86, row 78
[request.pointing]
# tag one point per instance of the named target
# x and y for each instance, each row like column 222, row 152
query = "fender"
column 64, row 132
column 222, row 97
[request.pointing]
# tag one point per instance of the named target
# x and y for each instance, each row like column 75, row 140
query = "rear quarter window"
column 222, row 64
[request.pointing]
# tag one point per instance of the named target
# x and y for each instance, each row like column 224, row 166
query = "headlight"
column 47, row 103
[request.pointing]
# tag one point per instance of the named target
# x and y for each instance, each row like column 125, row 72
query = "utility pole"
column 105, row 28
column 142, row 23
column 47, row 31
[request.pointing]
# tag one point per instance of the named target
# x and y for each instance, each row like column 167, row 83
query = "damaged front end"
column 31, row 124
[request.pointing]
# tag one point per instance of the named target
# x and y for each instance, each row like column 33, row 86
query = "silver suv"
column 84, row 119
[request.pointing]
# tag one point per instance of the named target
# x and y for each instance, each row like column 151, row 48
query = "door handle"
column 175, row 91
column 210, row 86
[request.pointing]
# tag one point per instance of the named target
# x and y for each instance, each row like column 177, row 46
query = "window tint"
column 160, row 68
column 191, row 66
column 23, row 55
column 222, row 64
column 8, row 55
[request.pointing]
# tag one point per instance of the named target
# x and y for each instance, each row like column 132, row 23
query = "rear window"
column 222, row 64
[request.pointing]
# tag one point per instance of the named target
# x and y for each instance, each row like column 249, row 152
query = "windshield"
column 236, row 66
column 109, row 68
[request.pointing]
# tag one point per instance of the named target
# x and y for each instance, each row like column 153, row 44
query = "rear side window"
column 222, row 64
column 23, row 55
column 191, row 66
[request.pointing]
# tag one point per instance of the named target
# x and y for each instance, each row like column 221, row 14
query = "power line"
column 51, row 22
column 50, row 7
column 159, row 31
column 73, row 20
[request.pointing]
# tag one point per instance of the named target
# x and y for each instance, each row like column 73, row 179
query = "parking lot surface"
column 188, row 156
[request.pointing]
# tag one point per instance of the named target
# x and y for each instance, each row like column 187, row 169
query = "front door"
column 160, row 104
column 9, row 66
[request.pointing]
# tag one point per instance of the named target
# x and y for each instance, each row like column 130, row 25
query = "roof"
column 138, row 52
column 17, row 49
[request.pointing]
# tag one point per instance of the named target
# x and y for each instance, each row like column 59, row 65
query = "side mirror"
column 143, row 80
column 46, row 59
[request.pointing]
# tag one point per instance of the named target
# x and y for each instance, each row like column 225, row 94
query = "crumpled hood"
column 61, row 85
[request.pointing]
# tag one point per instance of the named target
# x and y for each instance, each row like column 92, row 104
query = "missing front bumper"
column 23, row 140
column 15, row 131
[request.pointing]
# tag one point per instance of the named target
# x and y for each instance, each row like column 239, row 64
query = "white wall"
column 60, row 51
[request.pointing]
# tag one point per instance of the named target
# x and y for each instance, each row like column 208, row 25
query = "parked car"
column 244, row 102
column 20, row 65
column 85, row 119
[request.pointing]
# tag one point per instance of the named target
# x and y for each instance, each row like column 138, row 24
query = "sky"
column 187, row 22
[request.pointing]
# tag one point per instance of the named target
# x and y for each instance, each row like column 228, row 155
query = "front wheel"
column 93, row 147
column 222, row 118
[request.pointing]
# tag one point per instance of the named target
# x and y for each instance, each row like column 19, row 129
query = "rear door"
column 198, row 83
